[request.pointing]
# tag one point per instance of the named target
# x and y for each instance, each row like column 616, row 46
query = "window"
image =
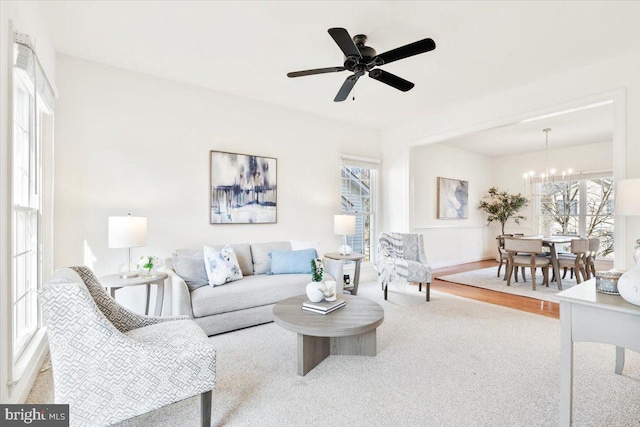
column 582, row 207
column 358, row 195
column 32, row 97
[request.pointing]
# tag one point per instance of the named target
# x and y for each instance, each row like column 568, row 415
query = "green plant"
column 148, row 262
column 501, row 206
column 317, row 270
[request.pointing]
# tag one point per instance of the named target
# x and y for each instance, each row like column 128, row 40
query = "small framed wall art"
column 243, row 189
column 453, row 198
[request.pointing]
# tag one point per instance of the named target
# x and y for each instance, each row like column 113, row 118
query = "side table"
column 353, row 287
column 114, row 282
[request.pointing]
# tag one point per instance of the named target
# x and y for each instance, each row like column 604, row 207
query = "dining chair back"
column 577, row 261
column 594, row 247
column 522, row 253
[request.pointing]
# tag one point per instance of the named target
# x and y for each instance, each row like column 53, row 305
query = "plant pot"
column 313, row 293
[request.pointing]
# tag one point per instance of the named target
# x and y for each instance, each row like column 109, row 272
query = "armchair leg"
column 385, row 291
column 428, row 291
column 419, row 286
column 205, row 409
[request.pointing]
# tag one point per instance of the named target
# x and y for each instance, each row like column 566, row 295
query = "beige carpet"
column 486, row 278
column 448, row 362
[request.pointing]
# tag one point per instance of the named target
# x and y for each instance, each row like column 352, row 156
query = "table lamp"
column 344, row 225
column 628, row 204
column 127, row 232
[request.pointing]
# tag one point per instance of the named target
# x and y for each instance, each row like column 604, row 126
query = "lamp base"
column 126, row 272
column 344, row 250
column 629, row 285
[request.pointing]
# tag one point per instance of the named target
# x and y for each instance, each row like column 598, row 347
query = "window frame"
column 373, row 165
column 582, row 216
column 31, row 318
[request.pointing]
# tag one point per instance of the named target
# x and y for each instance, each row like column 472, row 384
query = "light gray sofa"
column 245, row 302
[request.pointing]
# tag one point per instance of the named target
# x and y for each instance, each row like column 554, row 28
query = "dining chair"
column 502, row 253
column 577, row 260
column 515, row 247
column 594, row 247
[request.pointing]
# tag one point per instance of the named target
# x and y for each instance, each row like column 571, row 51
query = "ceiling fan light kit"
column 361, row 59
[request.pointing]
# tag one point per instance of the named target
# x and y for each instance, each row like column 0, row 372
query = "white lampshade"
column 344, row 225
column 127, row 231
column 628, row 197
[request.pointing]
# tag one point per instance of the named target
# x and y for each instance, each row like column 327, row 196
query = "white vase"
column 313, row 293
column 629, row 285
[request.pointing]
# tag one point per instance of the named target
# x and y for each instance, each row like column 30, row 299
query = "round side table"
column 115, row 282
column 353, row 288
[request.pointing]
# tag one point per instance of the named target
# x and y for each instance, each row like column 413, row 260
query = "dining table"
column 551, row 242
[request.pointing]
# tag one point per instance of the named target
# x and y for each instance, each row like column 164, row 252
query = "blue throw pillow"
column 292, row 262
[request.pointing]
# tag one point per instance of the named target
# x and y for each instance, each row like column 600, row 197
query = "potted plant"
column 501, row 206
column 148, row 266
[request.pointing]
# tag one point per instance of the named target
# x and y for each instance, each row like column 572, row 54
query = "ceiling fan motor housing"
column 353, row 63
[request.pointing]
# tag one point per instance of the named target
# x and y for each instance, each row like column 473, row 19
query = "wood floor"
column 531, row 305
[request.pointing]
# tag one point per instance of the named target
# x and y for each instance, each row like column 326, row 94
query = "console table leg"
column 619, row 360
column 311, row 351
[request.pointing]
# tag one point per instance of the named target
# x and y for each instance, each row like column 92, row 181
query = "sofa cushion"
column 297, row 245
column 252, row 291
column 260, row 255
column 292, row 262
column 189, row 264
column 221, row 265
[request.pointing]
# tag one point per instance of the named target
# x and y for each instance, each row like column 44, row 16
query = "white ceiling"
column 246, row 48
column 588, row 126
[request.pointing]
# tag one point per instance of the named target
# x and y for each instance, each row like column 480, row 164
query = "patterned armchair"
column 110, row 364
column 401, row 259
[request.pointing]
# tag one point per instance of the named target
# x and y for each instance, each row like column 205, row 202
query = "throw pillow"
column 190, row 267
column 221, row 266
column 292, row 262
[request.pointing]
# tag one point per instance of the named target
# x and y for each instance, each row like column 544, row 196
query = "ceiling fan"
column 360, row 59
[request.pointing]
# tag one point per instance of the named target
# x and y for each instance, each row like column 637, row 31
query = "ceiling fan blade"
column 344, row 42
column 391, row 79
column 406, row 51
column 347, row 86
column 315, row 71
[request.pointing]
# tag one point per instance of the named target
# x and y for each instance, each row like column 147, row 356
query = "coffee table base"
column 313, row 350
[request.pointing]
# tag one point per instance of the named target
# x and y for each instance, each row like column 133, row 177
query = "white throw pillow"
column 221, row 266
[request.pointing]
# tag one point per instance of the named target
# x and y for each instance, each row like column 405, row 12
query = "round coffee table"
column 350, row 330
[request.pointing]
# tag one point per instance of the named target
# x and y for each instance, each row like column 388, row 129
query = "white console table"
column 587, row 315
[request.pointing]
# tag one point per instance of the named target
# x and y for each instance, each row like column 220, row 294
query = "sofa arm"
column 180, row 295
column 335, row 268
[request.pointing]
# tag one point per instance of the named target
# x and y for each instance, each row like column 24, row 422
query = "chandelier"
column 546, row 177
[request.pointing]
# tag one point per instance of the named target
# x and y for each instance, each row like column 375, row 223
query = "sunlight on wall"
column 89, row 258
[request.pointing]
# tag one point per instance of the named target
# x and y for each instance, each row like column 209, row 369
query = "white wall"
column 129, row 142
column 26, row 18
column 449, row 242
column 587, row 82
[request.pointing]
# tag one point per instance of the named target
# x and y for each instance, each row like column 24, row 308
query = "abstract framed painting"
column 453, row 198
column 243, row 189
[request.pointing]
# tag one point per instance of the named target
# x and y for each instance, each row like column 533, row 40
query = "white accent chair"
column 110, row 364
column 401, row 257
